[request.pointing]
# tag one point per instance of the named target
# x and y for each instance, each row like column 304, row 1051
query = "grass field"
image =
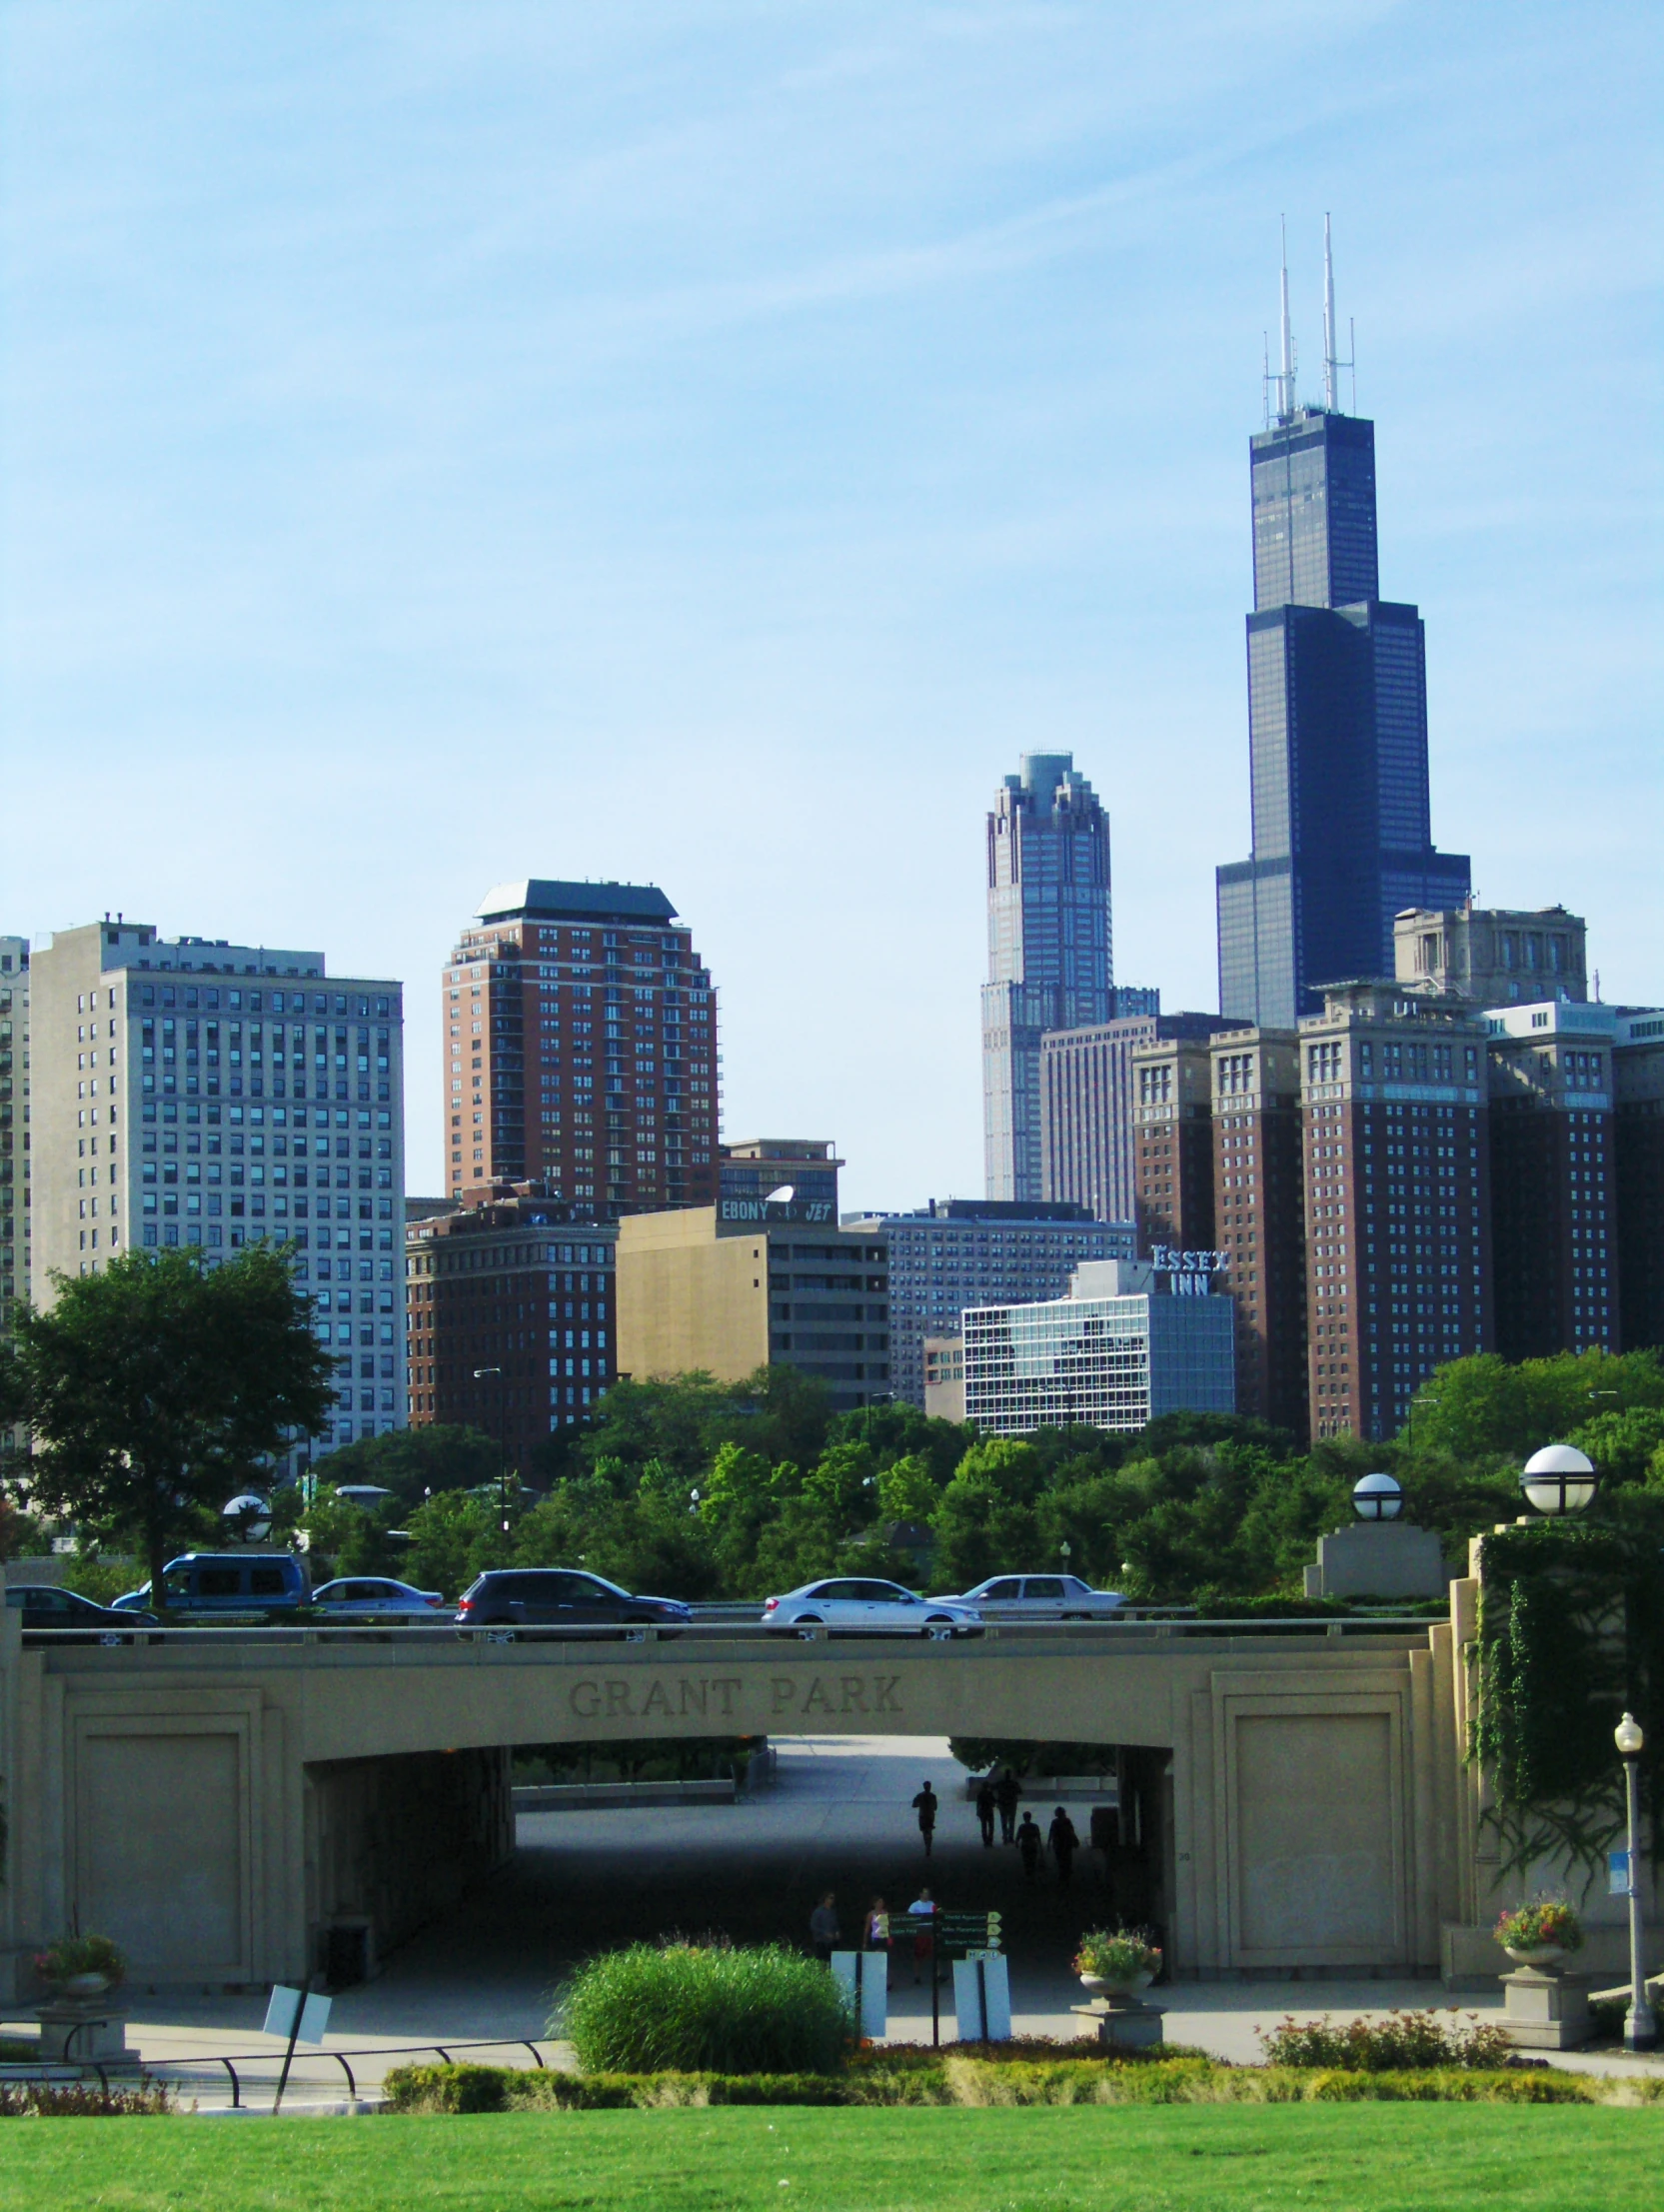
column 1355, row 2158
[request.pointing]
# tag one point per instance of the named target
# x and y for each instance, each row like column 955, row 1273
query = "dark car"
column 44, row 1606
column 552, row 1598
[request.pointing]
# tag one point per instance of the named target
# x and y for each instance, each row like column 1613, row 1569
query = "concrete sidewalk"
column 839, row 1817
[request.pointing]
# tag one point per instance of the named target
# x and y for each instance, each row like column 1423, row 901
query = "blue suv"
column 226, row 1582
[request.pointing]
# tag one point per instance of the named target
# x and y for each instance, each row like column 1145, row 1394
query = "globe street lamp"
column 1560, row 1480
column 1640, row 2028
column 1377, row 1497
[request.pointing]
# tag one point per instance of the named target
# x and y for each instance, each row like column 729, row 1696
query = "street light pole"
column 479, row 1374
column 1640, row 2028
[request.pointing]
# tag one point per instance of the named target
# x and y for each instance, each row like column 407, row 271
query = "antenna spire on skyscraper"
column 1333, row 363
column 1286, row 382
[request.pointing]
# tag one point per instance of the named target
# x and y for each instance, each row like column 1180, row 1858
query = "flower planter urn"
column 1539, row 1955
column 84, row 1985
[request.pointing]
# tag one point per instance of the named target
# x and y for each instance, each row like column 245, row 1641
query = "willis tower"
column 1337, row 721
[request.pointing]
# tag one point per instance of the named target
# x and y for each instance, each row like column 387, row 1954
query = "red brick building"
column 581, row 1036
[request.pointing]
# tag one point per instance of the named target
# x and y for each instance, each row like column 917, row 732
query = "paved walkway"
column 839, row 1817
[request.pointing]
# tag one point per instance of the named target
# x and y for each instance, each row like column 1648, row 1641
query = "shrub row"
column 949, row 2078
column 80, row 2100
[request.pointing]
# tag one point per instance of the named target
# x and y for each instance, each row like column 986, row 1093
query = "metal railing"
column 115, row 2071
column 1152, row 1626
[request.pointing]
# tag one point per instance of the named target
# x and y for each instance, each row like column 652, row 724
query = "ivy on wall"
column 1571, row 1634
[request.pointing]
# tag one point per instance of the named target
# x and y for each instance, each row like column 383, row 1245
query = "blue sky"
column 706, row 444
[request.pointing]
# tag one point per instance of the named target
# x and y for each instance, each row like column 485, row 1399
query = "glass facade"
column 1050, row 962
column 964, row 1253
column 1110, row 1362
column 1337, row 722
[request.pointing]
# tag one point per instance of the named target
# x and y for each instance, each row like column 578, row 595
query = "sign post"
column 301, row 2016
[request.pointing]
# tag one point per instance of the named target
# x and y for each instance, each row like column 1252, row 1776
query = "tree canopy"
column 157, row 1387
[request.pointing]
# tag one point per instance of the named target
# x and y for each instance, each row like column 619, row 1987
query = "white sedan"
column 871, row 1608
column 1038, row 1597
column 367, row 1596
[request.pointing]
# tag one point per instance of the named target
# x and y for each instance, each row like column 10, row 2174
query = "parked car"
column 507, row 1599
column 358, row 1597
column 1040, row 1598
column 44, row 1606
column 226, row 1582
column 869, row 1608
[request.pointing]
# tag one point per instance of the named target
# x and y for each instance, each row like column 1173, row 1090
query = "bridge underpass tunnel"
column 819, row 1814
column 393, row 1844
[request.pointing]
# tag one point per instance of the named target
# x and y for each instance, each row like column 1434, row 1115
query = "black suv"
column 45, row 1605
column 560, row 1598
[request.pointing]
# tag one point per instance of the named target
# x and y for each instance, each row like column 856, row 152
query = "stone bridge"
column 215, row 1799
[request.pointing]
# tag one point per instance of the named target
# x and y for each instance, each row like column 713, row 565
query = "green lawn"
column 1377, row 2158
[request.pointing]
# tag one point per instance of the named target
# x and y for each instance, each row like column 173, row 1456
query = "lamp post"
column 1377, row 1497
column 1640, row 2028
column 1558, row 1480
column 479, row 1374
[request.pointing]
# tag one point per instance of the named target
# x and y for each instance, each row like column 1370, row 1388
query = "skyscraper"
column 1049, row 955
column 1337, row 725
column 582, row 1055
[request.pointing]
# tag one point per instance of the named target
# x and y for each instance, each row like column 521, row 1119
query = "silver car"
column 863, row 1607
column 1038, row 1597
column 368, row 1596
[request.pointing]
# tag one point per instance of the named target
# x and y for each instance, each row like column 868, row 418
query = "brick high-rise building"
column 1087, row 1132
column 512, row 1318
column 1638, row 1069
column 1259, row 1218
column 582, row 1050
column 1173, row 1145
column 1555, row 1197
column 1397, row 1200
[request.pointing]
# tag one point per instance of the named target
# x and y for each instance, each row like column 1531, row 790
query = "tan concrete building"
column 698, row 1294
column 944, row 1377
column 1494, row 955
column 189, row 1093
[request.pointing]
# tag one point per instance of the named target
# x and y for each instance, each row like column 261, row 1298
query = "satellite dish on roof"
column 783, row 1196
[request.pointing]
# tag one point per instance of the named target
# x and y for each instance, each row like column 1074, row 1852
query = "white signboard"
column 983, row 1997
column 314, row 2015
column 863, row 1977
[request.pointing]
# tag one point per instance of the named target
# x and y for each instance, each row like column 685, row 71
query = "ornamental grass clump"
column 682, row 2007
column 1402, row 2042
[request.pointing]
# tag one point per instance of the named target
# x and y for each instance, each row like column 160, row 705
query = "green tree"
column 1622, row 1445
column 157, row 1386
column 415, row 1463
column 454, row 1538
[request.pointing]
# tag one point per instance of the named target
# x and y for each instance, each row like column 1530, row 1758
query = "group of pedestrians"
column 1001, row 1798
column 825, row 1930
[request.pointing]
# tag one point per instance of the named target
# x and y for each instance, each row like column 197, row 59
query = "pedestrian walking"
column 922, row 1912
column 1008, row 1792
column 1064, row 1843
column 874, row 1934
column 988, row 1804
column 1030, row 1842
column 823, row 1929
column 924, row 1804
